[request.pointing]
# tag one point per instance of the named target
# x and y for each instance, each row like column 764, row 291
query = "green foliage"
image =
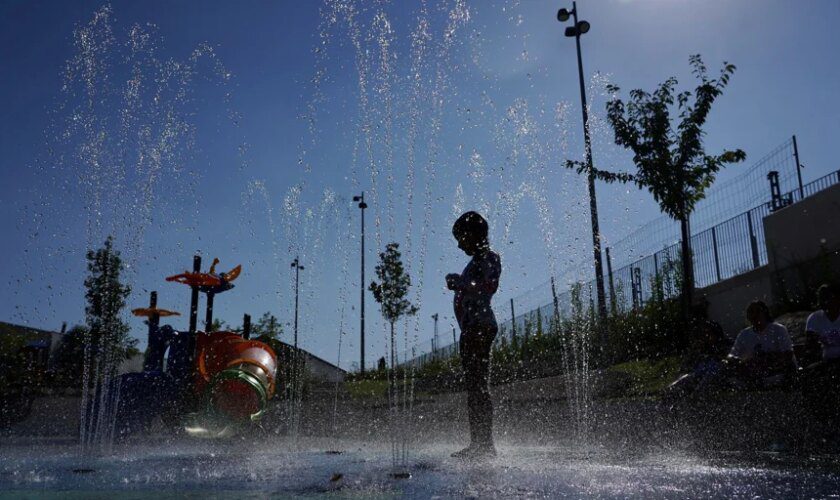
column 367, row 388
column 670, row 163
column 650, row 376
column 218, row 325
column 657, row 328
column 268, row 326
column 393, row 285
column 69, row 358
column 670, row 159
column 105, row 296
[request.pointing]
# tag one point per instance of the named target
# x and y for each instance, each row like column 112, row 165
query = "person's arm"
column 812, row 336
column 486, row 280
column 453, row 281
column 739, row 348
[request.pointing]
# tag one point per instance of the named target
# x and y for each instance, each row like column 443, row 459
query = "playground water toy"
column 210, row 383
column 148, row 312
column 209, row 282
column 234, row 376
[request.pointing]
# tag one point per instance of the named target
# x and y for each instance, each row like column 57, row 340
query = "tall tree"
column 670, row 159
column 392, row 289
column 106, row 296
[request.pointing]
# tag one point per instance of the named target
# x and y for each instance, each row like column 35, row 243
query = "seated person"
column 823, row 329
column 823, row 326
column 763, row 352
column 703, row 361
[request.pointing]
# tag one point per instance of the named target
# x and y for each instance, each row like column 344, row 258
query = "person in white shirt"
column 823, row 325
column 763, row 351
column 819, row 381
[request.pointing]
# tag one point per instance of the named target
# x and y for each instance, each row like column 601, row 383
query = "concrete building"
column 38, row 345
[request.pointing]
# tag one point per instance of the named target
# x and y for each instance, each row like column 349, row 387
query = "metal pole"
column 435, row 337
column 194, row 298
column 512, row 320
column 362, row 284
column 715, row 247
column 362, row 206
column 189, row 401
column 208, row 317
column 613, row 305
column 593, row 204
column 798, row 169
column 753, row 240
column 298, row 267
column 154, row 319
column 246, row 326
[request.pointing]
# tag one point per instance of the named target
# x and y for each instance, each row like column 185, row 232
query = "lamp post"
column 362, row 206
column 579, row 28
column 435, row 345
column 298, row 268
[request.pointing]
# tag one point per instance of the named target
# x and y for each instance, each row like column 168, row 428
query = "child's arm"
column 453, row 281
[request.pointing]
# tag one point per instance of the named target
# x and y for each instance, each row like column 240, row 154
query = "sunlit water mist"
column 432, row 132
column 120, row 140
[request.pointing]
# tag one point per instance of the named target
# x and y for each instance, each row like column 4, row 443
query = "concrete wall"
column 804, row 230
column 803, row 248
column 727, row 299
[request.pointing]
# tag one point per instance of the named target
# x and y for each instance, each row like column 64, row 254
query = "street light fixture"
column 579, row 28
column 362, row 205
column 298, row 268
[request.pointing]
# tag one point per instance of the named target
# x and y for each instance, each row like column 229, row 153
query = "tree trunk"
column 687, row 269
column 393, row 356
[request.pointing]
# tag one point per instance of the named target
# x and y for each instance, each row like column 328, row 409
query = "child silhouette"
column 474, row 288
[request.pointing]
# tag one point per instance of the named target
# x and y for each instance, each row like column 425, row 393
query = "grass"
column 650, row 376
column 367, row 389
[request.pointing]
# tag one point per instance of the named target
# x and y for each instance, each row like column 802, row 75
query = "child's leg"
column 475, row 359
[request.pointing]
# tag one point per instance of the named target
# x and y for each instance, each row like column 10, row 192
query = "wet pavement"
column 278, row 468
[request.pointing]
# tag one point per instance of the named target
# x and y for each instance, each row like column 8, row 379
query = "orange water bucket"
column 234, row 376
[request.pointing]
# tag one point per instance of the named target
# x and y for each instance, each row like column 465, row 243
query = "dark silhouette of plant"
column 670, row 163
column 105, row 294
column 392, row 288
column 219, row 325
column 69, row 358
column 268, row 326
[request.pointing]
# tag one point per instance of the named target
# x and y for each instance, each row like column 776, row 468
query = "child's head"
column 471, row 231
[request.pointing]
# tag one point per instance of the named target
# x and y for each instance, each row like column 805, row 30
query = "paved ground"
column 269, row 468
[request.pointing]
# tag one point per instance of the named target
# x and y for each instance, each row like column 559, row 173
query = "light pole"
column 579, row 28
column 435, row 338
column 298, row 268
column 362, row 206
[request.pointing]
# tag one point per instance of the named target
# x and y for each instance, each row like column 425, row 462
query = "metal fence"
column 720, row 251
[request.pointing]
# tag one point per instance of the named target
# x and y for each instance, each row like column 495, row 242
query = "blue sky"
column 494, row 88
